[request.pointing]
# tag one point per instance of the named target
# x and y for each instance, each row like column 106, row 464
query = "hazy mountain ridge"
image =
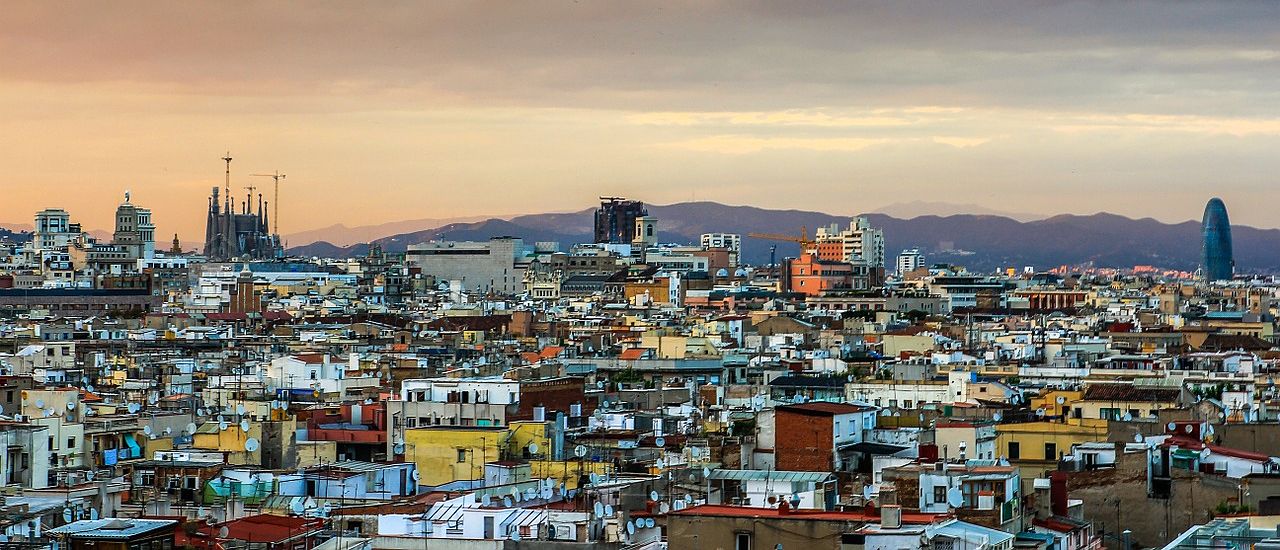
column 981, row 242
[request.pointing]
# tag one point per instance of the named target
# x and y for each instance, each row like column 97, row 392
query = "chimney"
column 890, row 516
column 1058, row 493
column 784, row 507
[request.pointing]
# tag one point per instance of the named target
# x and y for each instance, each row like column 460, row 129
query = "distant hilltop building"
column 232, row 233
column 1216, row 261
column 616, row 220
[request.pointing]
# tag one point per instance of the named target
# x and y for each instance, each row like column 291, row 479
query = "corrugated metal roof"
column 112, row 528
column 773, row 475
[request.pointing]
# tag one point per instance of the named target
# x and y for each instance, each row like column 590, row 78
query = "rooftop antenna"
column 275, row 202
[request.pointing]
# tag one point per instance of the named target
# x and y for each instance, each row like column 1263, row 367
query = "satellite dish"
column 244, row 425
column 546, row 493
column 39, row 403
column 648, row 522
column 146, row 430
column 1137, row 438
column 327, row 509
column 664, row 508
column 580, row 451
column 251, row 444
column 608, row 510
column 549, row 482
column 153, row 436
column 240, row 408
column 66, row 515
column 89, row 475
column 1061, row 399
column 1189, row 428
column 134, row 408
column 89, row 388
column 223, row 532
column 221, row 419
column 653, row 495
column 506, row 502
column 93, row 514
column 202, row 412
column 955, row 498
column 533, row 448
column 706, row 472
column 1040, row 412
column 153, row 398
column 599, row 509
column 71, row 405
column 168, row 430
column 297, row 506
column 515, row 536
column 222, row 426
column 398, row 448
column 661, row 442
column 1128, row 417
column 594, row 477
column 997, row 417
column 486, row 500
column 49, row 411
column 688, row 499
column 631, row 528
column 416, row 475
column 659, row 464
column 1171, row 426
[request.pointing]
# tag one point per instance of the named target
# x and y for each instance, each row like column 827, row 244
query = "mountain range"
column 978, row 241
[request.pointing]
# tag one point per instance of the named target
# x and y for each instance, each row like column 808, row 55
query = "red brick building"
column 807, row 436
column 812, row 276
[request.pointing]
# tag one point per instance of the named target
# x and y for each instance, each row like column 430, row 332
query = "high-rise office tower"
column 1216, row 260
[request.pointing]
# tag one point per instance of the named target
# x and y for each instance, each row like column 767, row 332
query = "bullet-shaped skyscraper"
column 1216, row 262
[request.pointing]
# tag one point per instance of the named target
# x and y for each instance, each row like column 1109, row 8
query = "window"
column 1050, row 451
column 1014, row 451
column 742, row 541
column 71, row 442
column 462, row 455
column 939, row 494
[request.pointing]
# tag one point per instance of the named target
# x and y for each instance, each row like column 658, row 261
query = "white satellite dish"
column 659, row 464
column 244, row 425
column 663, row 508
column 89, row 388
column 398, row 448
column 223, row 425
column 93, row 514
column 594, row 477
column 608, row 510
column 146, row 430
column 1137, row 438
column 152, row 436
column 706, row 472
column 515, row 536
column 134, row 408
column 486, row 500
column 599, row 509
column 71, row 405
column 221, row 419
column 1128, row 417
column 688, row 499
column 1061, row 399
column 506, row 502
column 67, row 516
column 240, row 408
column 223, row 532
column 631, row 528
column 39, row 403
column 546, row 493
column 1171, row 426
column 202, row 412
column 997, row 417
column 549, row 482
column 168, row 430
column 297, row 506
column 580, row 451
column 1204, row 453
column 533, row 448
column 653, row 495
column 153, row 398
column 955, row 498
column 251, row 444
column 661, row 442
column 416, row 475
column 49, row 411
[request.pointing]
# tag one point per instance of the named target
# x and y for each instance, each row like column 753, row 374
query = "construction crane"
column 275, row 201
column 803, row 240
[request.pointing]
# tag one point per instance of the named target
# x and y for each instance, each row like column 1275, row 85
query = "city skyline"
column 419, row 111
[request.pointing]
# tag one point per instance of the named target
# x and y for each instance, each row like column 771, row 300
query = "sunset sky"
column 386, row 111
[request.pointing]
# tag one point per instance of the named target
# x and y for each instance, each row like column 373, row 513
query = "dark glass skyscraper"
column 1215, row 259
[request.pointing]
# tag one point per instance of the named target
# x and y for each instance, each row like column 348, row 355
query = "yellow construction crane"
column 803, row 240
column 275, row 201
